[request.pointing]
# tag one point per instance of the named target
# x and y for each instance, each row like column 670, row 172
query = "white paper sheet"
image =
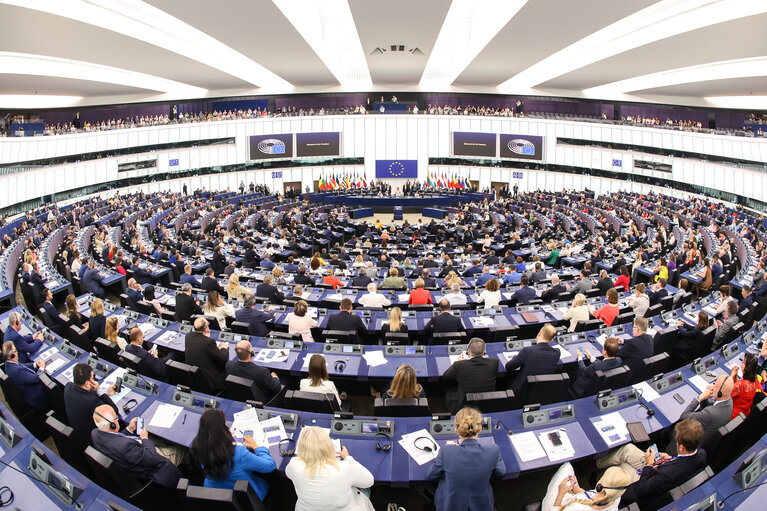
column 563, row 353
column 273, row 431
column 335, row 296
column 483, row 321
column 269, row 355
column 112, row 379
column 601, row 340
column 374, row 358
column 648, row 393
column 455, row 358
column 403, row 298
column 53, row 366
column 557, row 452
column 147, row 329
column 246, row 422
column 165, row 415
column 699, row 382
column 419, row 455
column 166, row 338
column 563, row 309
column 527, row 446
column 507, row 355
column 612, row 428
column 307, row 358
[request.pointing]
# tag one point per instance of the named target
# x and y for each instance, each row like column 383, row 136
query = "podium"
column 398, row 212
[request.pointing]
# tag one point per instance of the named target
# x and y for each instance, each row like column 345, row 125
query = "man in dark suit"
column 586, row 382
column 540, row 358
column 26, row 345
column 302, row 278
column 636, row 349
column 747, row 299
column 443, row 322
column 219, row 261
column 209, row 283
column 712, row 408
column 605, row 283
column 81, row 397
column 428, row 280
column 186, row 305
column 256, row 319
column 25, row 378
column 650, row 478
column 472, row 373
column 29, row 274
column 139, row 459
column 525, row 293
column 267, row 290
column 659, row 292
column 153, row 365
column 268, row 383
column 538, row 275
column 187, row 277
column 475, row 269
column 50, row 309
column 345, row 320
column 362, row 280
column 134, row 292
column 202, row 351
column 141, row 275
column 92, row 280
column 554, row 291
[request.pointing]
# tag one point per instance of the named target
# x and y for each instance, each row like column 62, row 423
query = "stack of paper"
column 482, row 321
column 527, row 446
column 335, row 296
column 699, row 382
column 165, row 416
column 403, row 298
column 245, row 423
column 507, row 355
column 647, row 392
column 51, row 367
column 563, row 353
column 374, row 358
column 419, row 455
column 555, row 452
column 456, row 358
column 147, row 329
column 166, row 338
column 612, row 428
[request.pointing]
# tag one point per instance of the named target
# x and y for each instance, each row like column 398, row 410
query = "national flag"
column 365, row 180
column 322, row 183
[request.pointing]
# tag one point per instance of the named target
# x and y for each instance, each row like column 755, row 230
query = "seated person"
column 540, row 358
column 525, row 293
column 25, row 378
column 491, row 295
column 318, row 380
column 651, row 479
column 633, row 351
column 26, row 345
column 609, row 311
column 404, row 385
column 140, row 459
column 81, row 397
column 444, row 322
column 301, row 323
column 346, row 321
column 244, row 367
column 394, row 281
column 269, row 291
column 564, row 492
column 455, row 296
column 373, row 298
column 472, row 372
column 554, row 291
column 745, row 388
column 202, row 351
column 712, row 409
column 587, row 378
column 419, row 295
column 153, row 365
column 577, row 313
column 395, row 323
column 256, row 319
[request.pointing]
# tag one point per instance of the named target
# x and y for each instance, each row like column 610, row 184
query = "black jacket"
column 633, row 351
column 186, row 307
column 477, row 374
column 138, row 459
column 585, row 383
column 654, row 481
column 208, row 284
column 201, row 351
column 260, row 375
column 604, row 285
column 218, row 263
column 551, row 294
column 346, row 321
column 443, row 323
column 154, row 367
column 270, row 292
column 79, row 405
column 533, row 360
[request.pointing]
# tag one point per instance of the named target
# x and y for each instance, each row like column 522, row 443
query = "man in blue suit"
column 92, row 280
column 24, row 377
column 586, row 381
column 83, row 268
column 50, row 309
column 524, row 294
column 638, row 348
column 256, row 319
column 140, row 459
column 25, row 344
column 134, row 291
column 187, row 277
column 540, row 358
column 154, row 366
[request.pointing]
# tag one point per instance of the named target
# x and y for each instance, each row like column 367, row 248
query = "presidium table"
column 362, row 205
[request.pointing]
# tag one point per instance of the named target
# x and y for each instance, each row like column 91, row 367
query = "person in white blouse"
column 577, row 313
column 75, row 268
column 300, row 323
column 564, row 492
column 373, row 298
column 216, row 307
column 491, row 295
column 323, row 482
column 639, row 301
column 726, row 298
column 318, row 380
column 455, row 297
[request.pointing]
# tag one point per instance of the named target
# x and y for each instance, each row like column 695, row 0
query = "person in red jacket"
column 623, row 279
column 332, row 280
column 419, row 296
column 745, row 388
column 608, row 312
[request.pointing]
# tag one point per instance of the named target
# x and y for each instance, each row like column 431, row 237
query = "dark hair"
column 611, row 346
column 81, row 373
column 318, row 370
column 689, row 433
column 346, row 304
column 751, row 363
column 524, row 280
column 149, row 293
column 214, row 445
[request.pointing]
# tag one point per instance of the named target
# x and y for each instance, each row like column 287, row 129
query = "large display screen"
column 474, row 144
column 267, row 147
column 318, row 144
column 525, row 147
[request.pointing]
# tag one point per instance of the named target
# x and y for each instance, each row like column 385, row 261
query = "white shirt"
column 374, row 300
column 455, row 298
column 490, row 298
column 331, row 489
column 327, row 387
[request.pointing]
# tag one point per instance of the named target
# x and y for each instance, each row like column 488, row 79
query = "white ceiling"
column 198, row 46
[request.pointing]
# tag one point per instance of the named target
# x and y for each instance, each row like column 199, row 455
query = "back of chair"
column 68, row 445
column 339, row 336
column 394, row 407
column 107, row 350
column 242, row 389
column 614, row 378
column 626, row 317
column 546, row 389
column 55, row 395
column 180, row 373
column 199, row 498
column 652, row 365
column 80, row 339
column 489, row 402
column 396, row 338
column 448, row 337
column 310, row 402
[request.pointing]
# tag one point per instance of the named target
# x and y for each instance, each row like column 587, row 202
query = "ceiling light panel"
column 329, row 29
column 468, row 27
column 41, row 65
column 662, row 20
column 741, row 102
column 37, row 101
column 144, row 22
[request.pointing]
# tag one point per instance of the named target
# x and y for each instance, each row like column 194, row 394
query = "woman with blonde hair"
column 564, row 492
column 110, row 332
column 459, row 488
column 395, row 323
column 235, row 290
column 323, row 482
column 96, row 320
column 639, row 301
column 218, row 308
column 452, row 278
column 404, row 385
column 577, row 313
column 277, row 276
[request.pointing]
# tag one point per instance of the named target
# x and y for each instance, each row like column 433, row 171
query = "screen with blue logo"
column 173, row 163
column 617, row 163
column 524, row 147
column 396, row 168
column 266, row 147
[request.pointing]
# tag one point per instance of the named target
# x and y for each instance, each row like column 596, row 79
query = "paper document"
column 374, row 358
column 651, row 332
column 698, row 382
column 268, row 356
column 305, row 365
column 506, row 296
column 505, row 356
column 110, row 380
column 47, row 354
column 246, row 423
column 456, row 358
column 612, row 428
column 419, row 455
column 483, row 321
column 53, row 366
column 601, row 340
column 527, row 446
column 165, row 416
column 147, row 329
column 335, row 296
column 273, row 430
column 711, row 309
column 563, row 309
column 404, row 297
column 563, row 353
column 559, row 452
column 166, row 338
column 648, row 393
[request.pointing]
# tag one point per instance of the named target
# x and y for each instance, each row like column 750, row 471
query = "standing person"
column 225, row 463
column 324, row 482
column 464, row 469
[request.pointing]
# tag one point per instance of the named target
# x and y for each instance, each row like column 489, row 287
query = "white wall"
column 375, row 137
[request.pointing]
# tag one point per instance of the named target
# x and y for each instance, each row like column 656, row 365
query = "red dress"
column 607, row 313
column 742, row 397
column 624, row 281
column 419, row 296
column 331, row 280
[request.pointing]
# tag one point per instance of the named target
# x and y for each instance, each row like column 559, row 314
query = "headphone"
column 339, row 366
column 112, row 425
column 290, row 451
column 130, row 405
column 599, row 488
column 430, row 447
column 719, row 392
column 387, row 445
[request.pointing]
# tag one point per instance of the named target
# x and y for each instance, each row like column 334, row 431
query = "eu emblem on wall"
column 396, row 169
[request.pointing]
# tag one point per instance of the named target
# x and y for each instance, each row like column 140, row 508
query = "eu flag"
column 396, row 168
column 528, row 150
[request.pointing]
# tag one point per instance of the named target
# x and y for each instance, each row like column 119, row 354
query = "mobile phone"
column 654, row 448
column 118, row 384
column 679, row 399
column 139, row 425
column 555, row 440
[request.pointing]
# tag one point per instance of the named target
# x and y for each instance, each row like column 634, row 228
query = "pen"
column 184, row 419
